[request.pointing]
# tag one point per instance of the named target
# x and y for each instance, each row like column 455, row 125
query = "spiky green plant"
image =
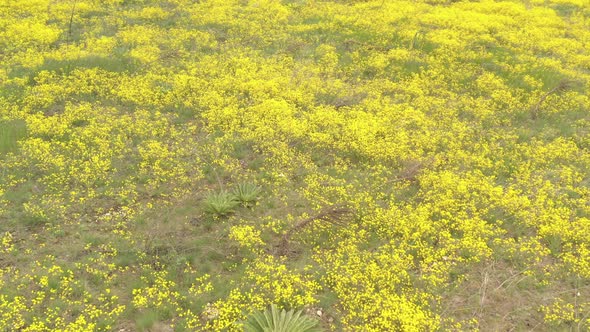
column 247, row 193
column 273, row 320
column 220, row 204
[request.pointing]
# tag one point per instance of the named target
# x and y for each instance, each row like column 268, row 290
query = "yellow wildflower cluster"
column 246, row 236
column 7, row 243
column 156, row 295
column 53, row 294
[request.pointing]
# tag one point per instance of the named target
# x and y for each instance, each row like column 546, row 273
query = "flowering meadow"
column 379, row 165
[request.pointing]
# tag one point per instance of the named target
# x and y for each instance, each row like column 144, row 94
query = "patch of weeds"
column 80, row 123
column 127, row 258
column 146, row 320
column 10, row 133
column 554, row 243
column 34, row 221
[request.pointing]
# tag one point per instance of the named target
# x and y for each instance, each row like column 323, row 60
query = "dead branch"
column 563, row 85
column 333, row 215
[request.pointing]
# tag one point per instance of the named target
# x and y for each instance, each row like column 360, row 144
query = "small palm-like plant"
column 247, row 193
column 273, row 320
column 220, row 204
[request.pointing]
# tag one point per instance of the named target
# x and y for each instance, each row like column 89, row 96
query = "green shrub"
column 273, row 320
column 247, row 193
column 220, row 204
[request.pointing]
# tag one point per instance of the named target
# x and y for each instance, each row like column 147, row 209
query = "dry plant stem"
column 70, row 23
column 334, row 215
column 218, row 179
column 563, row 85
column 576, row 301
column 582, row 320
column 510, row 278
column 483, row 290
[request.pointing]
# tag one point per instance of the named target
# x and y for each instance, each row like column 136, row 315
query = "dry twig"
column 333, row 215
column 563, row 85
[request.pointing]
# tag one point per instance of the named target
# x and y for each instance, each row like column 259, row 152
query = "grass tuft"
column 10, row 133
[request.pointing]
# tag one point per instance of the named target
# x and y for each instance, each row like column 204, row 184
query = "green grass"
column 146, row 320
column 11, row 132
column 117, row 64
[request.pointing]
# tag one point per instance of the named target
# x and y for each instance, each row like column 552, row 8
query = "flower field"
column 379, row 165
